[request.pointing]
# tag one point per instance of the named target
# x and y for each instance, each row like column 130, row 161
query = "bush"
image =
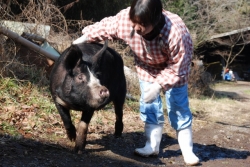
column 199, row 81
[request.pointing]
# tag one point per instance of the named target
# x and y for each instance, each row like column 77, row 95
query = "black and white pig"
column 86, row 77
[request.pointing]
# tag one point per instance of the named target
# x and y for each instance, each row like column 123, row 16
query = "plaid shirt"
column 165, row 60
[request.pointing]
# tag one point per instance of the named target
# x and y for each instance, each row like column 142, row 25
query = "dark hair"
column 146, row 12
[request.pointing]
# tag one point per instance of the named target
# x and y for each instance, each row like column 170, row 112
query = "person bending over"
column 162, row 49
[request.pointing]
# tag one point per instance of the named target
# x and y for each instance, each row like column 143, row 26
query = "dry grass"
column 210, row 105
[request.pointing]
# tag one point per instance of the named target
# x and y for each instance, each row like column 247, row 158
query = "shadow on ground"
column 107, row 151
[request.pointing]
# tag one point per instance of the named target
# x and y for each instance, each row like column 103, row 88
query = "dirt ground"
column 221, row 138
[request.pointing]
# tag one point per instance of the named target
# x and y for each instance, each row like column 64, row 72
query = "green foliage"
column 6, row 127
column 247, row 92
column 175, row 6
column 9, row 90
column 244, row 7
column 16, row 93
column 132, row 105
column 184, row 9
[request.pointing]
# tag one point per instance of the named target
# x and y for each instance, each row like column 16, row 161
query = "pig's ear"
column 72, row 56
column 98, row 56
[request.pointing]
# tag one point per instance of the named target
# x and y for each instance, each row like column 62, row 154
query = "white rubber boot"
column 153, row 134
column 186, row 144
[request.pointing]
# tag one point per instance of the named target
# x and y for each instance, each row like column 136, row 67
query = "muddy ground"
column 221, row 138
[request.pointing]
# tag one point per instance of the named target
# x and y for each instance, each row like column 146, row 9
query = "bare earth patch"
column 221, row 138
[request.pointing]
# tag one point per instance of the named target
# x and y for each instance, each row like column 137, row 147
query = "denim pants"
column 179, row 114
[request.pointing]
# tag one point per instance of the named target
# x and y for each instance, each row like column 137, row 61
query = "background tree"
column 93, row 10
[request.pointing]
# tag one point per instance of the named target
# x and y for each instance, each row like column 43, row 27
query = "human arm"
column 99, row 31
column 179, row 51
column 108, row 28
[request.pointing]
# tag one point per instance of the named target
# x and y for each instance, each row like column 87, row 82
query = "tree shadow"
column 230, row 95
column 242, row 126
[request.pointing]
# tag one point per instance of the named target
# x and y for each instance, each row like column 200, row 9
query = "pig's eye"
column 98, row 74
column 81, row 77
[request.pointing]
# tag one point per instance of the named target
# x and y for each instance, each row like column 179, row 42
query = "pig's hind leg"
column 118, row 104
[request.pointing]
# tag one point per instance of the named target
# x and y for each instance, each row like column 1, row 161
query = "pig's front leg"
column 66, row 118
column 82, row 131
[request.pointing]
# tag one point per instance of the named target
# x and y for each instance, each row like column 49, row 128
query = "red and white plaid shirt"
column 165, row 60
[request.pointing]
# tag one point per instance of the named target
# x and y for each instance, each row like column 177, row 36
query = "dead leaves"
column 30, row 121
column 19, row 117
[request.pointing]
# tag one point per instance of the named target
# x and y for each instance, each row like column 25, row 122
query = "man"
column 162, row 49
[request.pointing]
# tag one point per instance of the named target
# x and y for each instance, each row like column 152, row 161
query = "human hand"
column 151, row 92
column 81, row 39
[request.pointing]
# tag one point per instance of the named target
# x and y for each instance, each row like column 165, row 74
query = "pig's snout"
column 104, row 92
column 98, row 93
column 99, row 96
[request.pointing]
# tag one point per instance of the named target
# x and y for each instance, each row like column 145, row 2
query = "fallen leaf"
column 10, row 108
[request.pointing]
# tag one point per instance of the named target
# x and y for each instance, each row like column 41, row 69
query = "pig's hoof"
column 77, row 151
column 72, row 137
column 71, row 134
column 80, row 152
column 117, row 136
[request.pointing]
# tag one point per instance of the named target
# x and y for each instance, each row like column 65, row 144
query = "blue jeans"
column 179, row 114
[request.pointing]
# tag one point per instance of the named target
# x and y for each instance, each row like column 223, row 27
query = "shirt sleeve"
column 105, row 29
column 178, row 64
